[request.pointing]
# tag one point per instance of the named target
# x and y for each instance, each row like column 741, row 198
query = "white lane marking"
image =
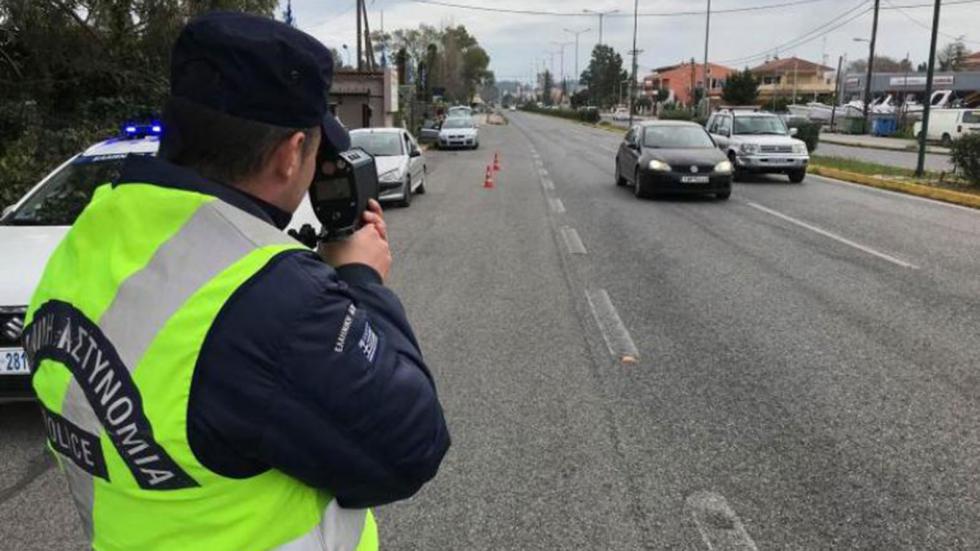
column 618, row 339
column 557, row 206
column 543, row 172
column 572, row 241
column 547, row 183
column 719, row 526
column 835, row 237
column 897, row 194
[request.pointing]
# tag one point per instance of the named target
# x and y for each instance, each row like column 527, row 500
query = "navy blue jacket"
column 311, row 371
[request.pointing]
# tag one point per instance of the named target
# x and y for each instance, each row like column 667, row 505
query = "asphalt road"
column 806, row 373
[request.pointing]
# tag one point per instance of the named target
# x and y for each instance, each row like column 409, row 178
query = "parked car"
column 31, row 229
column 672, row 157
column 459, row 132
column 398, row 157
column 621, row 114
column 759, row 142
column 946, row 125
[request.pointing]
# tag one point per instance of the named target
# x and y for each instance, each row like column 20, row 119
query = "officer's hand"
column 367, row 246
column 375, row 216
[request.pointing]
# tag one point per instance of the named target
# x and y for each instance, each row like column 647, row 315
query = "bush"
column 677, row 115
column 589, row 114
column 807, row 131
column 966, row 156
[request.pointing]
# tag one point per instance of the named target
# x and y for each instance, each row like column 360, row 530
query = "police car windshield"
column 755, row 124
column 379, row 144
column 66, row 193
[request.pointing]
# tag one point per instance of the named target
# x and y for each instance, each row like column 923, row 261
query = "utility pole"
column 707, row 79
column 796, row 78
column 360, row 37
column 368, row 49
column 636, row 19
column 921, row 165
column 837, row 83
column 576, row 33
column 601, row 15
column 871, row 64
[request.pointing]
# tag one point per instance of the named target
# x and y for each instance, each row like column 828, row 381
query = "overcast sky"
column 517, row 42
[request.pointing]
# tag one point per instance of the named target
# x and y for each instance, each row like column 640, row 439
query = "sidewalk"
column 875, row 142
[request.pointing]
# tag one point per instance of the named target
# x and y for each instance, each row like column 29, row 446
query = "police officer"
column 206, row 382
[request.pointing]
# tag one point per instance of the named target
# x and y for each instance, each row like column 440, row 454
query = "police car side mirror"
column 793, row 131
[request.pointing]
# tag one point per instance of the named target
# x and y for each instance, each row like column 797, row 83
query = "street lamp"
column 562, row 45
column 577, row 33
column 601, row 15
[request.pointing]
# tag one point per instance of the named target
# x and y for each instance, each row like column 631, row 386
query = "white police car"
column 32, row 228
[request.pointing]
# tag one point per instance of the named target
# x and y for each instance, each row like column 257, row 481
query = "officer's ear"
column 288, row 158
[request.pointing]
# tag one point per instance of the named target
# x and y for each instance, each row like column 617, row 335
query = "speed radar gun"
column 342, row 186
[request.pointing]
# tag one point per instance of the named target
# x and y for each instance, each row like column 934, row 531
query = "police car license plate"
column 694, row 179
column 13, row 361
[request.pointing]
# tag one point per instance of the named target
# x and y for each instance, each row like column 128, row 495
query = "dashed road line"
column 834, row 236
column 543, row 172
column 557, row 206
column 572, row 241
column 547, row 183
column 719, row 526
column 614, row 332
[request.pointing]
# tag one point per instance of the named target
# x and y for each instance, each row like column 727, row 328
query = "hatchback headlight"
column 800, row 149
column 724, row 167
column 659, row 166
column 749, row 148
column 392, row 175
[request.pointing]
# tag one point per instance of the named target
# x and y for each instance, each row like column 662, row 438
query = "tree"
column 547, row 85
column 883, row 64
column 582, row 98
column 951, row 56
column 741, row 88
column 78, row 68
column 604, row 75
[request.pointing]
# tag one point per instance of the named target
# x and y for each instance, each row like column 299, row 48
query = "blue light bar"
column 135, row 130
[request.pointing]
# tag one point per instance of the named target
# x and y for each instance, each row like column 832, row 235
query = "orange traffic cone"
column 488, row 181
column 496, row 162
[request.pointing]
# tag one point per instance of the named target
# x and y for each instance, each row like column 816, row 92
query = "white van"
column 947, row 125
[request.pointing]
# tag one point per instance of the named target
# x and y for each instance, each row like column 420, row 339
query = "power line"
column 581, row 14
column 928, row 27
column 826, row 28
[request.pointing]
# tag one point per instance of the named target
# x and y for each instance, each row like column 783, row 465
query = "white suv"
column 759, row 142
column 31, row 229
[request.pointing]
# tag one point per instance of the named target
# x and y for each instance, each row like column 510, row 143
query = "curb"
column 931, row 149
column 938, row 194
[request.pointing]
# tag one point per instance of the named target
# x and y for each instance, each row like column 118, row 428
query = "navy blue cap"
column 258, row 69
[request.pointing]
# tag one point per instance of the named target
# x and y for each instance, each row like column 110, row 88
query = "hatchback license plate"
column 13, row 361
column 694, row 179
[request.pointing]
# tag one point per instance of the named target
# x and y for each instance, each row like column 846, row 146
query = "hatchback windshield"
column 379, row 144
column 458, row 123
column 759, row 125
column 65, row 195
column 677, row 137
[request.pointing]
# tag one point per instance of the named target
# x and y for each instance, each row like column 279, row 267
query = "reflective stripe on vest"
column 131, row 472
